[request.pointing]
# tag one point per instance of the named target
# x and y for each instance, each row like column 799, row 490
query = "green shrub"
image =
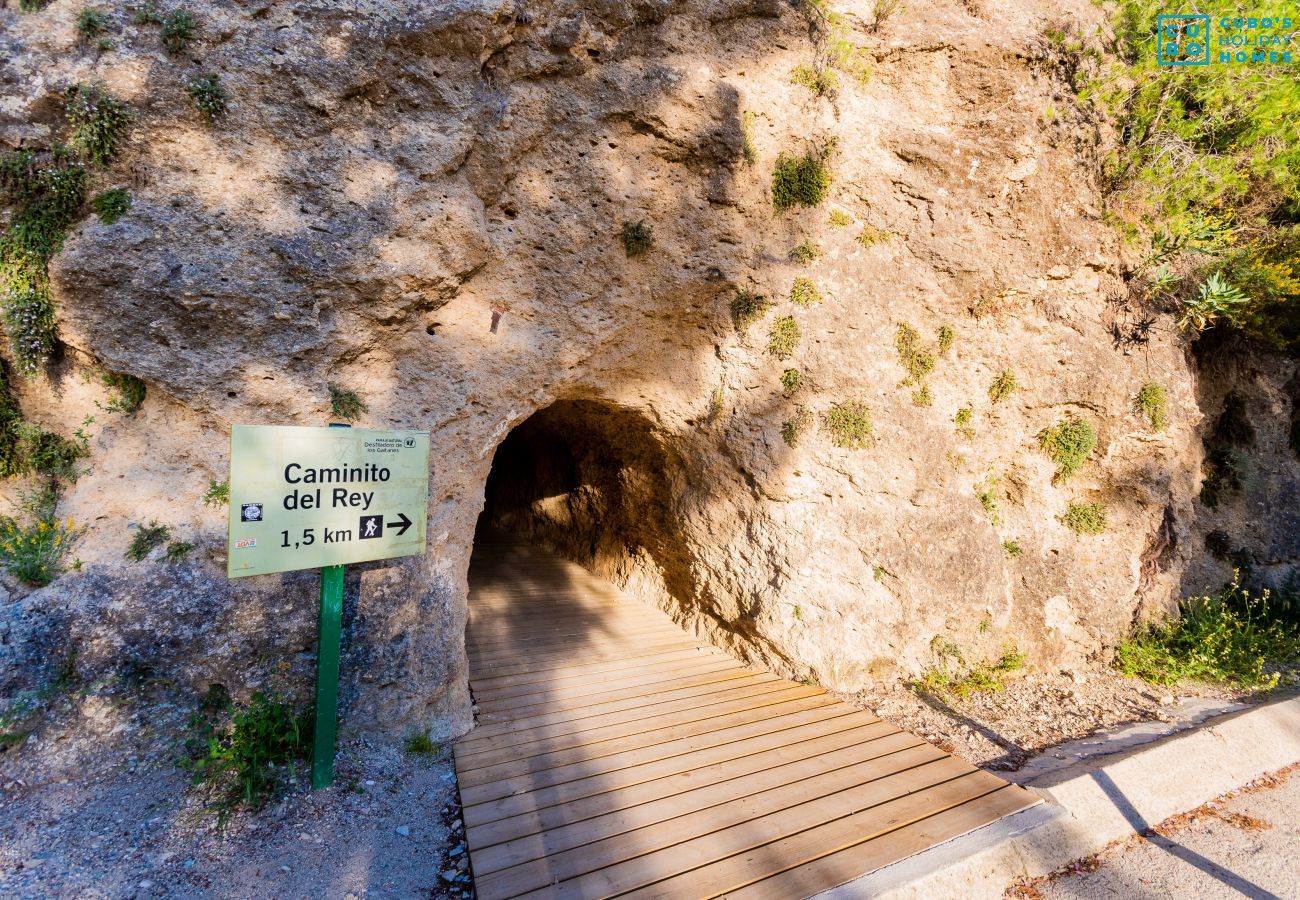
column 849, row 424
column 111, row 205
column 345, row 404
column 1068, row 444
column 804, row 292
column 987, row 492
column 802, row 180
column 217, row 494
column 99, row 122
column 638, row 237
column 839, row 218
column 784, row 337
column 91, row 23
column 1229, row 637
column 953, row 674
column 1084, row 518
column 147, row 539
column 869, row 237
column 1003, row 386
column 178, row 27
column 1215, row 299
column 946, row 335
column 209, row 96
column 32, row 551
column 821, row 81
column 805, row 253
column 917, row 360
column 128, row 392
column 791, row 381
column 792, row 430
column 177, row 551
column 242, row 755
column 963, row 420
column 923, row 396
column 34, row 450
column 747, row 308
column 1011, row 548
column 1153, row 402
column 147, row 14
column 418, row 743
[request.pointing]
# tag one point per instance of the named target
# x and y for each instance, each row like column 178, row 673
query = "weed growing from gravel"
column 784, row 337
column 345, row 404
column 747, row 308
column 1153, row 403
column 1003, row 386
column 802, row 180
column 804, row 292
column 793, row 429
column 1068, row 444
column 1230, row 637
column 147, row 539
column 953, row 674
column 1084, row 518
column 638, row 237
column 849, row 425
column 791, row 381
column 99, row 122
column 419, row 743
column 209, row 97
column 111, row 205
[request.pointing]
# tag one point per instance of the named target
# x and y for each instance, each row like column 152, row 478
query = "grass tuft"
column 1068, row 444
column 747, row 308
column 638, row 238
column 849, row 425
column 1084, row 518
column 345, row 404
column 111, row 205
column 147, row 539
column 804, row 292
column 1153, row 403
column 802, row 180
column 784, row 337
column 1003, row 386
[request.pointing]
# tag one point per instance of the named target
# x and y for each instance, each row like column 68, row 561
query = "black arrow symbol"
column 401, row 524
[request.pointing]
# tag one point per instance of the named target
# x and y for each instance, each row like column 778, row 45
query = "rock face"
column 425, row 203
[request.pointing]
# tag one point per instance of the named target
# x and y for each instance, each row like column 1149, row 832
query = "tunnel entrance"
column 593, row 482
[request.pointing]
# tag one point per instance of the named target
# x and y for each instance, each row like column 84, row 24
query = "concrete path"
column 1245, row 848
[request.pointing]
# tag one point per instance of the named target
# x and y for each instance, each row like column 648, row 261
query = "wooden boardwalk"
column 617, row 755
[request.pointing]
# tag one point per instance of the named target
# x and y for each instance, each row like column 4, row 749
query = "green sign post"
column 306, row 498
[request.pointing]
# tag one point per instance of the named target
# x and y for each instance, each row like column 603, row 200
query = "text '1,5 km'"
column 304, row 498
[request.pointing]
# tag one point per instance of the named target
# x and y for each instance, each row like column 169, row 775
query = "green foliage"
column 1152, row 401
column 111, row 205
column 946, row 335
column 923, row 396
column 638, row 237
column 29, row 449
column 804, row 292
column 1012, row 548
column 963, row 420
column 822, row 82
column 951, row 673
column 178, row 27
column 784, row 337
column 802, row 180
column 1229, row 637
column 1068, row 444
column 987, row 492
column 870, row 236
column 217, row 494
column 916, row 359
column 793, row 429
column 882, row 11
column 242, row 754
column 209, row 96
column 33, row 5
column 177, row 551
column 748, row 148
column 418, row 743
column 32, row 549
column 147, row 539
column 91, row 23
column 747, row 308
column 791, row 381
column 805, row 253
column 1084, row 518
column 1215, row 299
column 99, row 122
column 839, row 218
column 345, row 404
column 849, row 424
column 1003, row 386
column 147, row 14
column 128, row 392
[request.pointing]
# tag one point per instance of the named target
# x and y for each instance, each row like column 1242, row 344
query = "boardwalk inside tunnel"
column 617, row 755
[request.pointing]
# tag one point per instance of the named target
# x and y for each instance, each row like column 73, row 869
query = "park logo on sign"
column 250, row 512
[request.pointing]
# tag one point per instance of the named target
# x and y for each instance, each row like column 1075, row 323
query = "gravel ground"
column 1239, row 845
column 1002, row 730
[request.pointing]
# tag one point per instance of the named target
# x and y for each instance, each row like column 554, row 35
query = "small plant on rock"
column 1003, row 386
column 1153, row 403
column 987, row 492
column 33, row 551
column 638, row 237
column 923, row 396
column 1068, row 444
column 945, row 336
column 869, row 237
column 217, row 494
column 963, row 420
column 209, row 97
column 111, row 205
column 1084, row 518
column 99, row 122
column 1216, row 298
column 177, row 551
column 917, row 360
column 748, row 146
column 792, row 430
column 345, row 404
column 805, row 253
column 791, row 381
column 418, row 743
column 804, row 292
column 882, row 11
column 178, row 28
column 822, row 82
column 147, row 539
column 747, row 308
column 128, row 392
column 849, row 425
column 802, row 180
column 1012, row 548
column 840, row 219
column 91, row 23
column 784, row 337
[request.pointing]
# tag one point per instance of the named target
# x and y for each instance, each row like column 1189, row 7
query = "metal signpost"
column 307, row 498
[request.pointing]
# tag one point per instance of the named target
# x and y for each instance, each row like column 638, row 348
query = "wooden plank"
column 582, row 682
column 511, row 663
column 629, row 736
column 742, row 854
column 534, row 861
column 531, row 637
column 866, row 857
column 524, row 671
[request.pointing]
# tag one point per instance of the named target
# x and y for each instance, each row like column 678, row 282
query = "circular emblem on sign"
column 250, row 512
